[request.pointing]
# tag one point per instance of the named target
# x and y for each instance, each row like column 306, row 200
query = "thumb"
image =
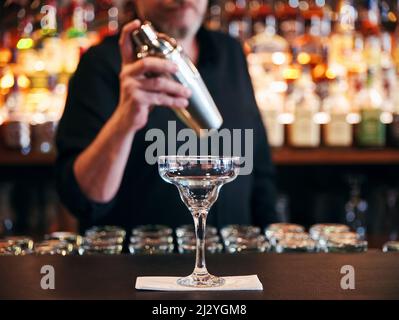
column 125, row 42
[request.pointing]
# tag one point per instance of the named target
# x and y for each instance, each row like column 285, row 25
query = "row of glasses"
column 187, row 241
column 281, row 238
column 151, row 239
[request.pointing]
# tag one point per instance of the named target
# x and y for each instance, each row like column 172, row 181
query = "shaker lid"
column 146, row 35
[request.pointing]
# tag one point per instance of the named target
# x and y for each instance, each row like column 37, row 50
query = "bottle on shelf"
column 268, row 56
column 371, row 131
column 308, row 48
column 76, row 41
column 337, row 131
column 238, row 19
column 270, row 105
column 341, row 40
column 214, row 19
column 5, row 48
column 16, row 127
column 27, row 58
column 287, row 13
column 369, row 17
column 396, row 45
column 305, row 104
column 393, row 127
column 260, row 10
column 389, row 78
column 268, row 50
column 389, row 10
column 321, row 72
column 52, row 50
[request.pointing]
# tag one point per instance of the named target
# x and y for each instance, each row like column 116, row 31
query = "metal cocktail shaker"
column 202, row 112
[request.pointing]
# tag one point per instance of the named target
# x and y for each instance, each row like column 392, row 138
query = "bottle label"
column 371, row 131
column 304, row 131
column 338, row 132
column 275, row 129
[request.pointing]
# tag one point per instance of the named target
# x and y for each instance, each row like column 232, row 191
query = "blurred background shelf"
column 285, row 156
column 329, row 156
column 16, row 158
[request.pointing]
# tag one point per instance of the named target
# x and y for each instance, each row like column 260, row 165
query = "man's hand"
column 137, row 92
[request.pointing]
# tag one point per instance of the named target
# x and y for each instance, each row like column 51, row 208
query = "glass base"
column 203, row 281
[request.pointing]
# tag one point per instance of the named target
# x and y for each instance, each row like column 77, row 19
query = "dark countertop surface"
column 284, row 276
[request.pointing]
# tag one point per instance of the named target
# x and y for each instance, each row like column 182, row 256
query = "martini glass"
column 199, row 179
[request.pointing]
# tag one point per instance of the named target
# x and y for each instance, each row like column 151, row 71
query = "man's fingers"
column 161, row 99
column 148, row 65
column 165, row 85
column 125, row 42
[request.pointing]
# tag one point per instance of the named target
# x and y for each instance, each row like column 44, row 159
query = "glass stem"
column 200, row 227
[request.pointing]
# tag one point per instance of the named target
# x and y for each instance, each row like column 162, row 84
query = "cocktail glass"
column 199, row 179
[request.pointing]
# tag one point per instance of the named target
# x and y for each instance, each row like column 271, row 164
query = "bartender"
column 102, row 175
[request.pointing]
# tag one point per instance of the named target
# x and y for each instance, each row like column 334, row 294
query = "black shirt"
column 144, row 198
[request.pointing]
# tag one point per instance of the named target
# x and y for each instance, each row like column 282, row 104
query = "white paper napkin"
column 250, row 282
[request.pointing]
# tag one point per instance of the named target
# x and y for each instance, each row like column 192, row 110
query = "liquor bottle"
column 341, row 41
column 76, row 41
column 304, row 131
column 5, row 51
column 270, row 105
column 15, row 98
column 16, row 129
column 369, row 17
column 52, row 50
column 393, row 127
column 214, row 19
column 389, row 15
column 309, row 9
column 260, row 10
column 44, row 121
column 389, row 77
column 321, row 72
column 238, row 19
column 308, row 48
column 337, row 132
column 287, row 13
column 370, row 131
column 267, row 58
column 373, row 51
column 26, row 56
column 268, row 49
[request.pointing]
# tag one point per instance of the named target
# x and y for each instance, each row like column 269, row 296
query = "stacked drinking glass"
column 333, row 237
column 289, row 237
column 151, row 239
column 241, row 238
column 186, row 240
column 103, row 240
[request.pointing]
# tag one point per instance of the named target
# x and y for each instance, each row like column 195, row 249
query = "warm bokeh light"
column 304, row 58
column 7, row 81
column 25, row 43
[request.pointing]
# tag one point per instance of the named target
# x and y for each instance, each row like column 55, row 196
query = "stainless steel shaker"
column 202, row 112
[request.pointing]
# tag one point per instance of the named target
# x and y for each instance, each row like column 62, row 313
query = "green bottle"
column 371, row 132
